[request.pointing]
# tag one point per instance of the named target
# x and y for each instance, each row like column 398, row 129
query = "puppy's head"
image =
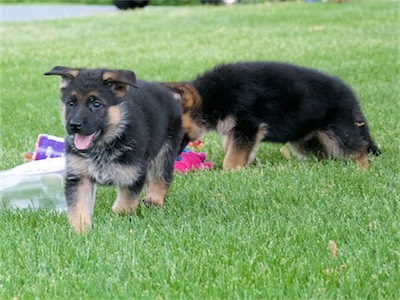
column 191, row 104
column 91, row 101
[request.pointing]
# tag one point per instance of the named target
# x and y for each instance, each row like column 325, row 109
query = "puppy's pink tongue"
column 83, row 142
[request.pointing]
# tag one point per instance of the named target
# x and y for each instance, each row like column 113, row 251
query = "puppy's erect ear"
column 67, row 75
column 119, row 81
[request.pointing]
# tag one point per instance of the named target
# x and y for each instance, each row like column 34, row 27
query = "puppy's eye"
column 95, row 103
column 71, row 103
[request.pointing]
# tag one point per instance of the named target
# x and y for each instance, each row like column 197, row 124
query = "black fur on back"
column 291, row 100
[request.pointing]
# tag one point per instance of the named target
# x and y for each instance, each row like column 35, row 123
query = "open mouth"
column 84, row 142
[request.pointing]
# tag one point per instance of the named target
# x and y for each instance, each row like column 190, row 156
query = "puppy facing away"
column 119, row 131
column 250, row 102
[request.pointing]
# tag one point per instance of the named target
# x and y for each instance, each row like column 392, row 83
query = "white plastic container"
column 34, row 185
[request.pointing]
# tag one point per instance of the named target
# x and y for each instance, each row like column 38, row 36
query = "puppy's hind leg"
column 262, row 131
column 160, row 176
column 226, row 142
column 236, row 156
column 157, row 190
column 242, row 147
column 128, row 197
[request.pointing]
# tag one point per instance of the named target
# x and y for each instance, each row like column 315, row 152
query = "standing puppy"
column 119, row 131
column 250, row 102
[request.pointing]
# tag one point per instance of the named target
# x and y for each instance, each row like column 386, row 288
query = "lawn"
column 263, row 232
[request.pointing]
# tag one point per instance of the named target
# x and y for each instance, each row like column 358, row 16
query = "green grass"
column 257, row 233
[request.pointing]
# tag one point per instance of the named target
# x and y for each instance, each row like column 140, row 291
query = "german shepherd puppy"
column 118, row 131
column 250, row 102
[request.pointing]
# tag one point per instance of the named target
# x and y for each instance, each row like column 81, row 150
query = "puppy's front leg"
column 79, row 193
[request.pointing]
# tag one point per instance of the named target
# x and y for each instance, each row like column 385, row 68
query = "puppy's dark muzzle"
column 75, row 126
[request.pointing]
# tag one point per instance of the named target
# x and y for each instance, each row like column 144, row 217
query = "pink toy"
column 189, row 161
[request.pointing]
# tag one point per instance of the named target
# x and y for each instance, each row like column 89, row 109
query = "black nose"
column 75, row 125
